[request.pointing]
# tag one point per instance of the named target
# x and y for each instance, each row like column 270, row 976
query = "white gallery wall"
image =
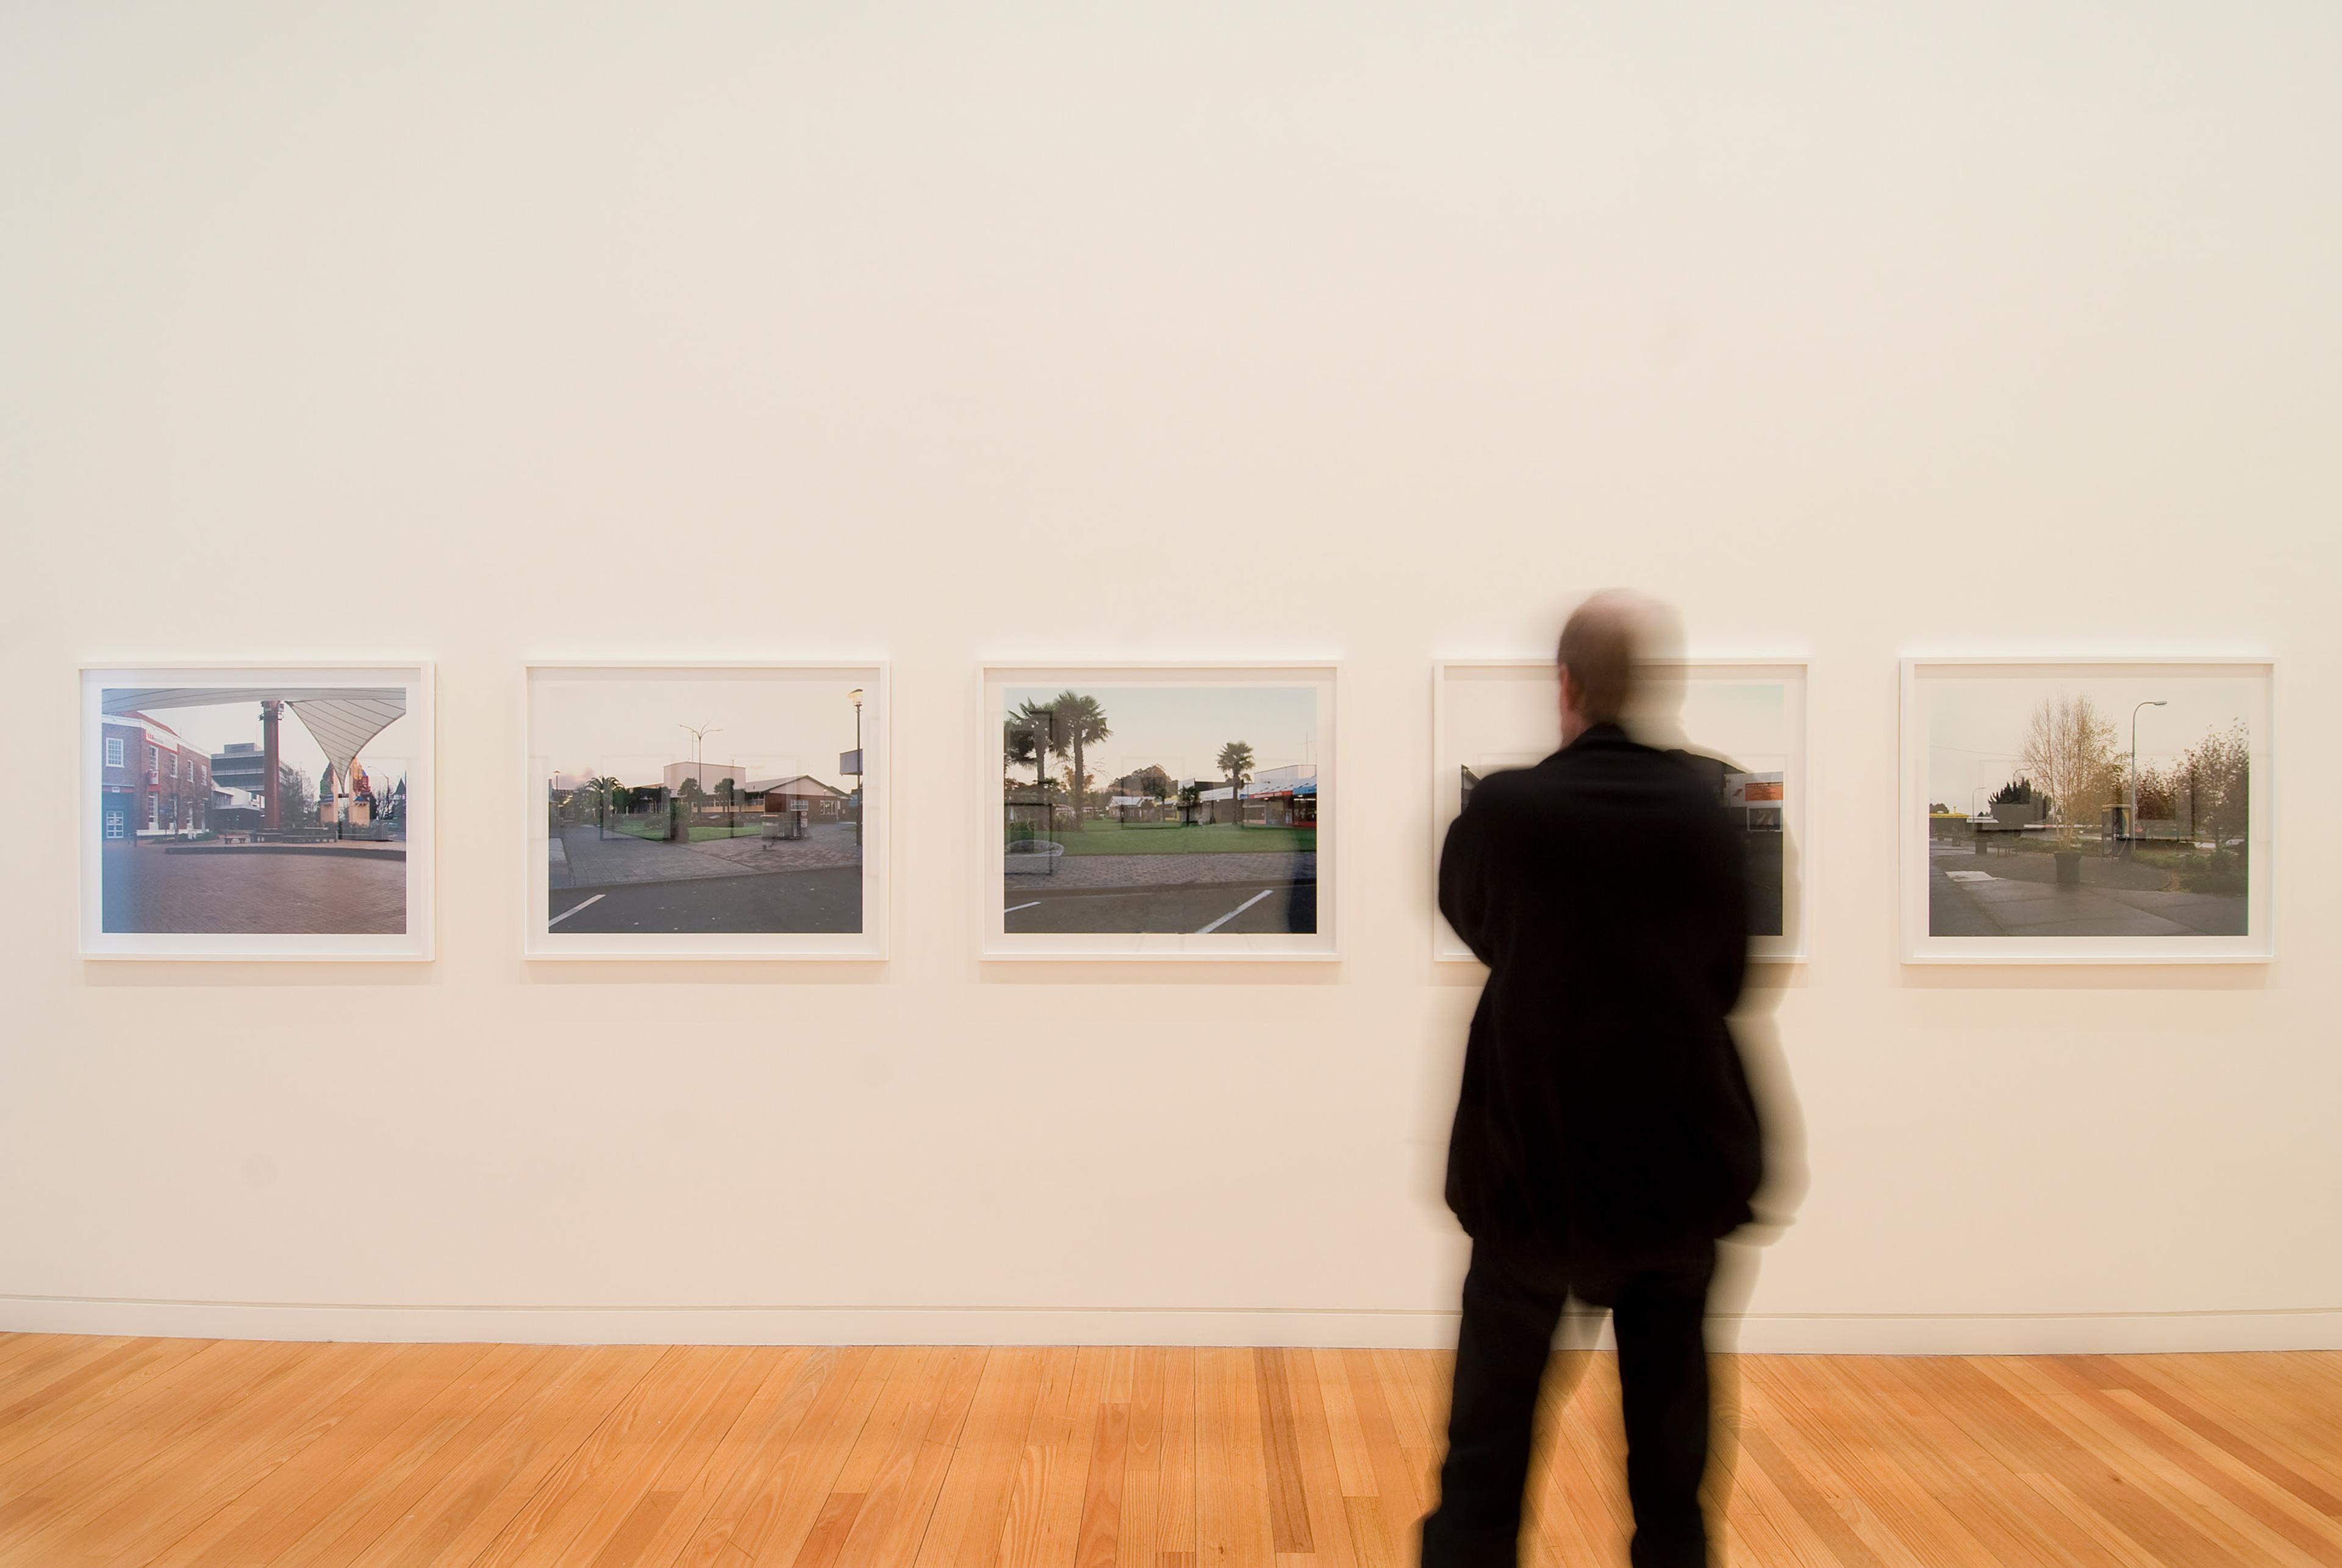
column 1061, row 333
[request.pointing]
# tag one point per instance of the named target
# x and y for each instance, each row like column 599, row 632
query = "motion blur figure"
column 1605, row 1135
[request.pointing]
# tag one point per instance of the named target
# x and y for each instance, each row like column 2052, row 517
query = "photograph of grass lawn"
column 1190, row 838
column 1171, row 812
column 691, row 810
column 2087, row 810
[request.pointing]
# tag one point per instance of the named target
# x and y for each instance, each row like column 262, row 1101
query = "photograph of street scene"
column 687, row 809
column 2112, row 802
column 272, row 808
column 1740, row 727
column 1159, row 808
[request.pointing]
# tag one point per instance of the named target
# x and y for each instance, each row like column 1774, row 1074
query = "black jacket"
column 1605, row 1116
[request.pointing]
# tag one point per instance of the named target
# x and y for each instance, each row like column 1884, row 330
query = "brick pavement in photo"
column 147, row 889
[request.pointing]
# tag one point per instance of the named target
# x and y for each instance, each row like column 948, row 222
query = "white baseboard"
column 1783, row 1333
column 726, row 1325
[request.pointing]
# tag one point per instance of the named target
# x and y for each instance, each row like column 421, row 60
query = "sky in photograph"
column 211, row 728
column 1181, row 729
column 767, row 724
column 1976, row 724
column 1512, row 721
column 1744, row 723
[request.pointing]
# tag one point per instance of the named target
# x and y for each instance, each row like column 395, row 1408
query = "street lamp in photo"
column 2131, row 826
column 698, row 766
column 855, row 696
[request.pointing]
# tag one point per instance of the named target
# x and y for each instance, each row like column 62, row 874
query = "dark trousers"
column 1512, row 1302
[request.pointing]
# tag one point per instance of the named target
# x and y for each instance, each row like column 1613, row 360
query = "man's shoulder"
column 1511, row 789
column 1602, row 770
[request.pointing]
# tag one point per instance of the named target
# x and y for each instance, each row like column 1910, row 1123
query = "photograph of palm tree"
column 1160, row 808
column 2110, row 802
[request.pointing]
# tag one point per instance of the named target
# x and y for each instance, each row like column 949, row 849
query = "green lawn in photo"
column 655, row 830
column 1173, row 838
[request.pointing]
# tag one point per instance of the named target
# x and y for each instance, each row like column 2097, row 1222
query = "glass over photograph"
column 2107, row 805
column 1741, row 726
column 278, row 811
column 1180, row 812
column 683, row 810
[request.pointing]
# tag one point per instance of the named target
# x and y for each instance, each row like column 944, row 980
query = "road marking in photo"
column 1014, row 907
column 1239, row 909
column 574, row 908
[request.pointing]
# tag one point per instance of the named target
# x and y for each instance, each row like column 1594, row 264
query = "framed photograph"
column 1741, row 722
column 256, row 810
column 1158, row 811
column 2087, row 811
column 706, row 811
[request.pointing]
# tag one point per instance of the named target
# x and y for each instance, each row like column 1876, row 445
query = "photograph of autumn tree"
column 2117, row 806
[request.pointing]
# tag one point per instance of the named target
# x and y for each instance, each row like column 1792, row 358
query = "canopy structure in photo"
column 340, row 719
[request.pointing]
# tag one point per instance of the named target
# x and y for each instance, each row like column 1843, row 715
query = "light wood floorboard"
column 184, row 1454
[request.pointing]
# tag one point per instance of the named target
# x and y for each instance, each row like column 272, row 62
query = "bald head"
column 1598, row 650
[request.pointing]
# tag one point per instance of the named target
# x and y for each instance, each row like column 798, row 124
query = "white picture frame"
column 555, row 927
column 1973, row 922
column 1529, row 697
column 1219, row 935
column 406, row 834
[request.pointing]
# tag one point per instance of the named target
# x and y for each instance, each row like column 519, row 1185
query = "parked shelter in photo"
column 1276, row 797
column 340, row 720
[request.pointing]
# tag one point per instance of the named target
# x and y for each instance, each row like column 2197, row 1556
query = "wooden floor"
column 186, row 1452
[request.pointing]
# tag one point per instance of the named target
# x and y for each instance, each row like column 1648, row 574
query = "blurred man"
column 1605, row 1135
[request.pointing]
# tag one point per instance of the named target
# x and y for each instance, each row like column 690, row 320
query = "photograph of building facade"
column 688, row 810
column 1283, row 797
column 1136, row 804
column 264, row 805
column 2058, row 806
column 802, row 794
column 1738, row 724
column 153, row 782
